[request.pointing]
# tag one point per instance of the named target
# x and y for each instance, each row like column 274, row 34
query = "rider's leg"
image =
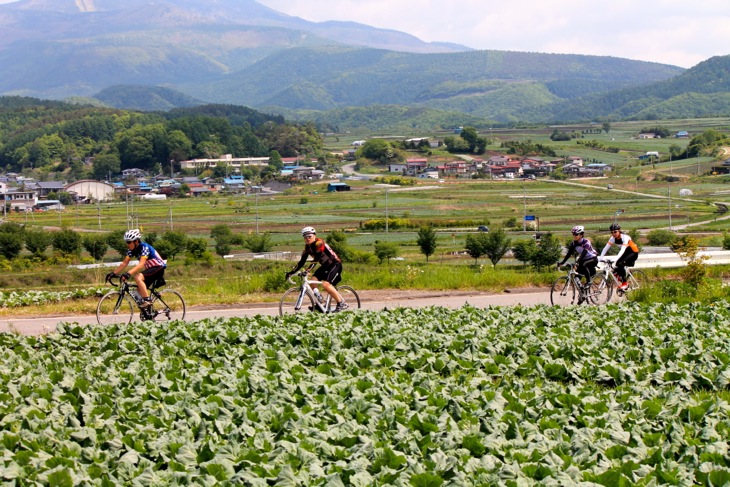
column 141, row 286
column 330, row 277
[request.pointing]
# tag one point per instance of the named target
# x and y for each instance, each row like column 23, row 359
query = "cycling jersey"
column 628, row 246
column 146, row 250
column 320, row 252
column 584, row 250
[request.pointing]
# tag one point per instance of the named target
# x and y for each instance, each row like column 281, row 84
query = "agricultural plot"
column 621, row 395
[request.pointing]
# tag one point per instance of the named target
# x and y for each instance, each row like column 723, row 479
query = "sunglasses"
column 129, row 241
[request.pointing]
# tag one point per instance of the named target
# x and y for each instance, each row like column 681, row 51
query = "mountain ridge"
column 242, row 52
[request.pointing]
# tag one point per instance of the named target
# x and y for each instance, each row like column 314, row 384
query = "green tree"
column 197, row 247
column 67, row 242
column 606, row 127
column 475, row 143
column 184, row 190
column 523, row 249
column 179, row 146
column 386, row 251
column 496, row 243
column 105, row 165
column 337, row 240
column 275, row 161
column 173, row 243
column 96, row 245
column 37, row 241
column 695, row 271
column 379, row 150
column 221, row 230
column 258, row 242
column 475, row 246
column 547, row 252
column 427, row 241
column 223, row 247
column 661, row 238
column 11, row 244
column 115, row 240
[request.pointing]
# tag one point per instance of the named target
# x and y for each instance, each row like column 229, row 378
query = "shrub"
column 386, row 251
column 67, row 242
column 95, row 245
column 11, row 244
column 196, row 247
column 338, row 241
column 173, row 243
column 258, row 242
column 661, row 237
column 726, row 241
column 115, row 240
column 37, row 241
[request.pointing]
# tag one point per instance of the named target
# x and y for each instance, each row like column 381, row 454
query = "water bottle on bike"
column 318, row 295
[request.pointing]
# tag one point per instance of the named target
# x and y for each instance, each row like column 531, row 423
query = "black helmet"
column 614, row 227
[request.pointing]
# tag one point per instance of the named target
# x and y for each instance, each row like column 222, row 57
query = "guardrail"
column 671, row 259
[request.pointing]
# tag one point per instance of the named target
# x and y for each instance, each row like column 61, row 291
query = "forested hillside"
column 330, row 77
column 58, row 139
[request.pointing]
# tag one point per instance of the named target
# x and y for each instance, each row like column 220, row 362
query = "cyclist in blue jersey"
column 586, row 257
column 151, row 265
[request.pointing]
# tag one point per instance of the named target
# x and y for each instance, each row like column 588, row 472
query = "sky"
column 677, row 32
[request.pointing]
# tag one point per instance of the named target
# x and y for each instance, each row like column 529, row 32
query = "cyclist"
column 151, row 266
column 586, row 257
column 330, row 266
column 626, row 256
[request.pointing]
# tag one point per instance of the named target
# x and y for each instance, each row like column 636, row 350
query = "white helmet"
column 308, row 231
column 578, row 229
column 132, row 235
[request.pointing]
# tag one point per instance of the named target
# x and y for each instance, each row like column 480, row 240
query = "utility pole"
column 386, row 211
column 524, row 217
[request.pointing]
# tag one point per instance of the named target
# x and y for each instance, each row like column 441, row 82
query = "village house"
column 227, row 159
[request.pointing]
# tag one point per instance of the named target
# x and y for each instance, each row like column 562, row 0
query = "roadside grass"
column 237, row 282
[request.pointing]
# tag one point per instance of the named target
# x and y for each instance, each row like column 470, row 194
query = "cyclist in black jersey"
column 330, row 265
column 586, row 257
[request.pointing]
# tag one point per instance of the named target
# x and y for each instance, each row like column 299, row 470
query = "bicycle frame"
column 302, row 297
column 306, row 288
column 609, row 272
column 565, row 287
column 170, row 306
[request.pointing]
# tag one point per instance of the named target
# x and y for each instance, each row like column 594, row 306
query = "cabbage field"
column 516, row 396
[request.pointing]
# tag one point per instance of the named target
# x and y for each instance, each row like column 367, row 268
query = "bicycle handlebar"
column 110, row 278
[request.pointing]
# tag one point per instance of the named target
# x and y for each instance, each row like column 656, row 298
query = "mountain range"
column 157, row 55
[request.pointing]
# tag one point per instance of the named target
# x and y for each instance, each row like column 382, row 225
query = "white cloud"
column 671, row 31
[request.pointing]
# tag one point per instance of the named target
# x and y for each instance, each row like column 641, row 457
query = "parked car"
column 483, row 228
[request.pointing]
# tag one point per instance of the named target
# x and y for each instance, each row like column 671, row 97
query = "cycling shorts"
column 331, row 274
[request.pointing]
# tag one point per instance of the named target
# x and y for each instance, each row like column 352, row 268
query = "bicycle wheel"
column 349, row 295
column 169, row 306
column 115, row 307
column 600, row 290
column 288, row 303
column 562, row 292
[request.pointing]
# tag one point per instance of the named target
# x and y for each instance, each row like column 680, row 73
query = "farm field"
column 557, row 206
column 621, row 395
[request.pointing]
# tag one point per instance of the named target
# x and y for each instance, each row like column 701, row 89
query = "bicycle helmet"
column 578, row 230
column 132, row 235
column 614, row 227
column 308, row 231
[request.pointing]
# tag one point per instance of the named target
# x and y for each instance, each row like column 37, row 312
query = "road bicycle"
column 303, row 298
column 119, row 306
column 633, row 276
column 569, row 289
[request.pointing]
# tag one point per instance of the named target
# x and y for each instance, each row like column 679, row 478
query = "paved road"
column 48, row 324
